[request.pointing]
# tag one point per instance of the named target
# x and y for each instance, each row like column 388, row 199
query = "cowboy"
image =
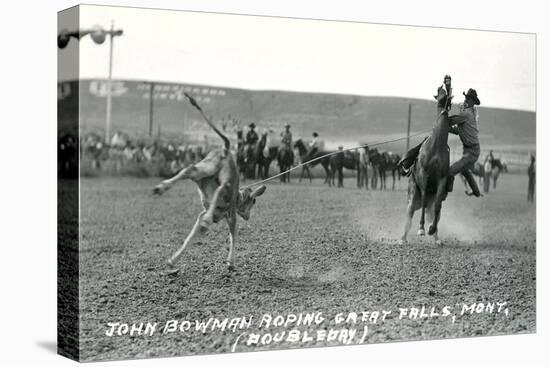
column 314, row 147
column 490, row 157
column 465, row 126
column 251, row 136
column 286, row 137
column 444, row 95
column 315, row 143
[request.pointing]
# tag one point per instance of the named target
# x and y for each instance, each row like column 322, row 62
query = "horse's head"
column 262, row 141
column 299, row 144
column 504, row 166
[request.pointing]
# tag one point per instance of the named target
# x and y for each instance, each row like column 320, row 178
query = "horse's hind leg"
column 327, row 173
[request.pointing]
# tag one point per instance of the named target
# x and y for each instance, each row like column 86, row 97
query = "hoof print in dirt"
column 171, row 271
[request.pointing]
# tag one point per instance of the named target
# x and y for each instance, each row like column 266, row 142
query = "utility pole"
column 98, row 35
column 409, row 128
column 112, row 34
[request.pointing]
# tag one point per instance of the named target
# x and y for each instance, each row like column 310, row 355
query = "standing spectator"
column 251, row 136
column 531, row 172
column 118, row 140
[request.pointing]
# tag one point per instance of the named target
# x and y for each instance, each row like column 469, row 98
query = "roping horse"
column 428, row 181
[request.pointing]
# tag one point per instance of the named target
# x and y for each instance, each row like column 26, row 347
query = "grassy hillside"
column 345, row 119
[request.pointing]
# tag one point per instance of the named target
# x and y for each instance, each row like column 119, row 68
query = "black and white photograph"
column 237, row 183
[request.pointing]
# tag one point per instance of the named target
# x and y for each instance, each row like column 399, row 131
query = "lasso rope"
column 333, row 153
column 196, row 105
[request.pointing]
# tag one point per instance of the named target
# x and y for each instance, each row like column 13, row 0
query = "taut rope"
column 333, row 153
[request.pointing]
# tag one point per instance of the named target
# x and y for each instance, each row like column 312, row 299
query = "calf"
column 217, row 178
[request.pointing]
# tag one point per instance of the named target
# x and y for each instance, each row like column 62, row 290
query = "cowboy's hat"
column 287, row 125
column 472, row 94
column 252, row 125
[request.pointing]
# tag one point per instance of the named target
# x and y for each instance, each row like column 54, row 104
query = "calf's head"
column 247, row 199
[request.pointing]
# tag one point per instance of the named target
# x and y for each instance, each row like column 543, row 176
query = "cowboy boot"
column 472, row 182
column 404, row 165
column 408, row 160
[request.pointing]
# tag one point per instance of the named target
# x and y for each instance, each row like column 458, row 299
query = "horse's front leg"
column 327, row 174
column 423, row 200
column 408, row 221
column 413, row 195
column 441, row 188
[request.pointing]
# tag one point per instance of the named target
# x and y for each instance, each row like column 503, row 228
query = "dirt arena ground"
column 307, row 248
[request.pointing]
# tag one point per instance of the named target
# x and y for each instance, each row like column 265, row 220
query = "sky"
column 268, row 53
